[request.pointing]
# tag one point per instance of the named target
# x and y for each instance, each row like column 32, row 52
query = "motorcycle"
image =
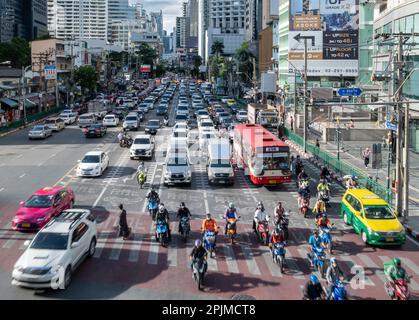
column 166, row 122
column 399, row 290
column 284, row 224
column 339, row 292
column 278, row 255
column 126, row 142
column 199, row 271
column 326, row 236
column 209, row 241
column 152, row 208
column 318, row 259
column 162, row 233
column 185, row 227
column 141, row 178
column 232, row 229
column 304, row 205
column 324, row 195
column 263, row 232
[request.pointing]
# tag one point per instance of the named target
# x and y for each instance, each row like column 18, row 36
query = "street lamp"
column 22, row 85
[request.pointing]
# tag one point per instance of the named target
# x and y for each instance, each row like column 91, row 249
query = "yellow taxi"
column 372, row 218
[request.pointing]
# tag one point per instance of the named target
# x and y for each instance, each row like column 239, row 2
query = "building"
column 157, row 22
column 68, row 19
column 203, row 24
column 167, row 44
column 150, row 38
column 182, row 32
column 192, row 13
column 265, row 50
column 121, row 31
column 25, row 19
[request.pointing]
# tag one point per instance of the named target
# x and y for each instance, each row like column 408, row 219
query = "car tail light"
column 97, row 130
column 85, row 130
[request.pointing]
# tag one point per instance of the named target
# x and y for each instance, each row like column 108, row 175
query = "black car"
column 152, row 126
column 95, row 130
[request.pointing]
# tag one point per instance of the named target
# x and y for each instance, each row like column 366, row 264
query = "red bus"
column 263, row 156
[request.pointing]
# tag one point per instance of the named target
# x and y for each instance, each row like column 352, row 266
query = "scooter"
column 318, row 259
column 185, row 227
column 324, row 195
column 209, row 241
column 304, row 205
column 339, row 291
column 141, row 178
column 326, row 236
column 278, row 255
column 399, row 290
column 165, row 122
column 263, row 232
column 284, row 224
column 199, row 271
column 152, row 208
column 162, row 233
column 232, row 229
column 126, row 142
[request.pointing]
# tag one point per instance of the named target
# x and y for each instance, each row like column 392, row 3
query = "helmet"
column 316, row 232
column 198, row 243
column 332, row 260
column 324, row 215
column 260, row 205
column 314, row 279
column 182, row 204
column 121, row 206
column 397, row 262
column 353, row 177
column 280, row 203
column 231, row 205
column 152, row 188
column 208, row 215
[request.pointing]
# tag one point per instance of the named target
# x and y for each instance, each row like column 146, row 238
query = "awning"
column 29, row 104
column 9, row 102
column 2, row 111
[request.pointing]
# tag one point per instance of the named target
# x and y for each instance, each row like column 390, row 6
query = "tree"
column 147, row 55
column 86, row 77
column 197, row 62
column 217, row 48
column 17, row 51
column 45, row 36
column 245, row 60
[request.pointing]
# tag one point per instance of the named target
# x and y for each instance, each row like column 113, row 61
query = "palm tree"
column 217, row 48
column 245, row 59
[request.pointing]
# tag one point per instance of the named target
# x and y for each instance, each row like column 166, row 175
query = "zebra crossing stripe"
column 292, row 264
column 248, row 255
column 116, row 249
column 134, row 253
column 172, row 249
column 374, row 267
column 351, row 264
column 411, row 265
column 230, row 260
column 102, row 238
column 212, row 263
column 11, row 241
column 154, row 247
column 273, row 268
column 6, row 228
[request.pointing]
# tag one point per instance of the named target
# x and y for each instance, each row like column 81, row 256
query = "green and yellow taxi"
column 372, row 218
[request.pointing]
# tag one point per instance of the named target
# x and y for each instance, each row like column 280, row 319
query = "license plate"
column 272, row 182
column 26, row 225
column 222, row 181
column 390, row 239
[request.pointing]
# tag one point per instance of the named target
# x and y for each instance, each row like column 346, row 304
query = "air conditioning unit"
column 336, row 84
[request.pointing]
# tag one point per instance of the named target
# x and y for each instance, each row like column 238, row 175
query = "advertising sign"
column 330, row 28
column 50, row 72
column 145, row 68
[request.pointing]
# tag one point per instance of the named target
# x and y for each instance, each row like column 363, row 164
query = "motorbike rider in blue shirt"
column 315, row 242
column 231, row 213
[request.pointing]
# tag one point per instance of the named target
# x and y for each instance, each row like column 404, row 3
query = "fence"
column 342, row 168
column 30, row 118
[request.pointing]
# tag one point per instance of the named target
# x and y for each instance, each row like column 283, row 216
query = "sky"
column 171, row 9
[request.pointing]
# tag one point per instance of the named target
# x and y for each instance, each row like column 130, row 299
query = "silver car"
column 40, row 132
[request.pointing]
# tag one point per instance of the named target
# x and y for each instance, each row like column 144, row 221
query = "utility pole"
column 305, row 95
column 41, row 60
column 398, row 97
column 254, row 78
column 406, row 164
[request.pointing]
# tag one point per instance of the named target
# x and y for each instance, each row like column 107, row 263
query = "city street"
column 139, row 268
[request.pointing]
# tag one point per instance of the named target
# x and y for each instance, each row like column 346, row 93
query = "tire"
column 364, row 237
column 67, row 277
column 281, row 264
column 345, row 219
column 266, row 240
column 163, row 240
column 199, row 281
column 92, row 247
column 322, row 271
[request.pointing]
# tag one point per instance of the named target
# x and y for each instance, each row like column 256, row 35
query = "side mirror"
column 55, row 204
column 75, row 245
column 27, row 243
column 21, row 203
column 78, row 161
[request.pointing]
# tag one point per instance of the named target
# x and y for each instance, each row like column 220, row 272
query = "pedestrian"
column 292, row 123
column 366, row 156
column 124, row 230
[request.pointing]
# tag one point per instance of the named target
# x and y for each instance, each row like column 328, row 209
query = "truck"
column 219, row 168
column 98, row 107
column 264, row 115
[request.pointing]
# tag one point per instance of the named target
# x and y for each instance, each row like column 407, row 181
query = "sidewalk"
column 351, row 155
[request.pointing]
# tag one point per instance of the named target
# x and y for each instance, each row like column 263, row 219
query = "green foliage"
column 197, row 62
column 245, row 61
column 86, row 77
column 217, row 48
column 160, row 70
column 17, row 51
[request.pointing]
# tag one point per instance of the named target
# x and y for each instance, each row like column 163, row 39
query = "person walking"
column 124, row 230
column 366, row 156
column 317, row 148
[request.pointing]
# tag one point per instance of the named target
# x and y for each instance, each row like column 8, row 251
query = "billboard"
column 331, row 30
column 145, row 68
column 268, row 82
column 50, row 72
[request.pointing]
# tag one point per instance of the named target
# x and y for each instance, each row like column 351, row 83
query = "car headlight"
column 55, row 269
column 168, row 174
column 97, row 167
column 188, row 173
column 41, row 218
column 18, row 268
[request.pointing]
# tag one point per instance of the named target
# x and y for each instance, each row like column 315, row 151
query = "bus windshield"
column 272, row 161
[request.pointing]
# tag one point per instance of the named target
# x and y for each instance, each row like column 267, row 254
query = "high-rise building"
column 182, row 32
column 203, row 23
column 26, row 19
column 82, row 19
column 157, row 20
column 192, row 13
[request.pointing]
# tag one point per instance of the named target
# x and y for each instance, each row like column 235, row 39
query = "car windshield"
column 85, row 117
column 142, row 141
column 220, row 163
column 154, row 123
column 131, row 119
column 181, row 116
column 90, row 159
column 38, row 128
column 110, row 117
column 50, row 241
column 206, row 124
column 180, row 134
column 378, row 213
column 36, row 201
column 243, row 113
column 177, row 161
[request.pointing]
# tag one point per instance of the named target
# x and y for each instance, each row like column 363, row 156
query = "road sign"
column 125, row 68
column 391, row 126
column 50, row 72
column 349, row 92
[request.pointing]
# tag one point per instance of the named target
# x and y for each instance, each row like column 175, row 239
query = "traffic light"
column 381, row 76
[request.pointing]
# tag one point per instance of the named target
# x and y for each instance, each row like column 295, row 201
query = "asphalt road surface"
column 140, row 269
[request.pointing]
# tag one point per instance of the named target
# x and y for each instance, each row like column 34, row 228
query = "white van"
column 219, row 168
column 87, row 119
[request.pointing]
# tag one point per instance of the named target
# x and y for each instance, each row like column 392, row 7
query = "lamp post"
column 22, row 85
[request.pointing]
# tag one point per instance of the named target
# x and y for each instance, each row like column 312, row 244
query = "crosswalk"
column 246, row 257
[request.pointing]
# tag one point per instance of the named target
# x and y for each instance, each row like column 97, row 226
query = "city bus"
column 264, row 157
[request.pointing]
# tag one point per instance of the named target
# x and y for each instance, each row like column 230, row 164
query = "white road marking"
column 373, row 266
column 172, row 250
column 230, row 260
column 21, row 176
column 19, row 156
column 1, row 189
column 273, row 268
column 116, row 249
column 134, row 253
column 101, row 242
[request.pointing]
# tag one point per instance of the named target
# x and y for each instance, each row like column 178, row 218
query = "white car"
column 93, row 164
column 56, row 251
column 241, row 116
column 142, row 147
column 204, row 138
column 206, row 124
column 110, row 120
column 68, row 118
column 180, row 125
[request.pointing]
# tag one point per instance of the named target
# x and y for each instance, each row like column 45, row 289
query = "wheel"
column 281, row 264
column 364, row 237
column 163, row 240
column 71, row 204
column 345, row 219
column 92, row 247
column 67, row 277
column 199, row 280
column 266, row 240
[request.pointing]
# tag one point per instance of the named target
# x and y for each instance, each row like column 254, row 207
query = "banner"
column 50, row 72
column 145, row 68
column 330, row 29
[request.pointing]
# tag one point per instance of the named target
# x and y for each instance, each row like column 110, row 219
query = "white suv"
column 56, row 251
column 142, row 147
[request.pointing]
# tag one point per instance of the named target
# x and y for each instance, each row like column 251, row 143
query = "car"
column 143, row 107
column 177, row 168
column 56, row 124
column 87, row 119
column 226, row 122
column 204, row 138
column 131, row 122
column 110, row 120
column 142, row 147
column 162, row 110
column 41, row 207
column 182, row 117
column 372, row 218
column 40, row 131
column 180, row 134
column 205, row 123
column 94, row 163
column 152, row 126
column 182, row 109
column 201, row 113
column 95, row 130
column 180, row 125
column 140, row 115
column 241, row 116
column 68, row 118
column 56, row 251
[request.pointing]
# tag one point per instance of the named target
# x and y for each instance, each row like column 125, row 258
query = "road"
column 140, row 269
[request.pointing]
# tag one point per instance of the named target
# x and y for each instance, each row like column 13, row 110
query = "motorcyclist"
column 313, row 290
column 323, row 186
column 396, row 272
column 319, row 208
column 209, row 224
column 302, row 175
column 230, row 213
column 153, row 195
column 163, row 215
column 141, row 166
column 141, row 177
column 183, row 211
column 279, row 212
column 121, row 136
column 260, row 216
column 333, row 273
column 198, row 252
column 166, row 120
column 298, row 165
column 276, row 237
column 323, row 221
column 315, row 242
column 351, row 182
column 324, row 173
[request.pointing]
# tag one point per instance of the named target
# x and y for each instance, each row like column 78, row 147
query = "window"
column 79, row 232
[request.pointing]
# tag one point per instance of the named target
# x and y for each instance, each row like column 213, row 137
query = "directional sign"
column 391, row 126
column 349, row 92
column 299, row 37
